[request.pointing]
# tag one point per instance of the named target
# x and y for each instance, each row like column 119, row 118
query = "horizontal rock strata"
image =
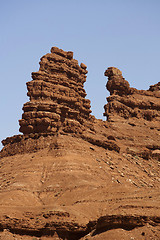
column 134, row 114
column 57, row 96
column 129, row 102
column 58, row 106
column 72, row 176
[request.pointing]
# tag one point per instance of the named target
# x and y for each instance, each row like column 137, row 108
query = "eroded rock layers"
column 58, row 106
column 134, row 116
column 129, row 102
column 57, row 96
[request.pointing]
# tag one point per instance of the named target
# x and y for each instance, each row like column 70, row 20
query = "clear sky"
column 101, row 33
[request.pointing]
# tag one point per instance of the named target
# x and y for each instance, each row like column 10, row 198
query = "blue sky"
column 101, row 33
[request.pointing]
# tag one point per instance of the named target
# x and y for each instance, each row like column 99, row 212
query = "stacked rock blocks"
column 57, row 96
column 128, row 102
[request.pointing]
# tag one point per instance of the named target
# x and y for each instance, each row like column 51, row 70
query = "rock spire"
column 57, row 96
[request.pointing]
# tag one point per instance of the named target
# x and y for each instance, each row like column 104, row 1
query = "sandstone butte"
column 71, row 176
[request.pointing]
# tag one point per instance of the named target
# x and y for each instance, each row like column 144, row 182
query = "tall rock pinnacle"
column 57, row 97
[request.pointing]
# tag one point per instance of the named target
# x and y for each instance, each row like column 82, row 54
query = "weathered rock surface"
column 129, row 102
column 57, row 97
column 70, row 176
column 75, row 189
column 57, row 105
column 134, row 114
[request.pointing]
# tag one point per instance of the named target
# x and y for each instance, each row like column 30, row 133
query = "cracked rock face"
column 57, row 96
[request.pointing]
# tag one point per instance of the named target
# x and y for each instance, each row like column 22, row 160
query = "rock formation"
column 57, row 97
column 71, row 176
column 134, row 113
column 129, row 102
column 57, row 106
